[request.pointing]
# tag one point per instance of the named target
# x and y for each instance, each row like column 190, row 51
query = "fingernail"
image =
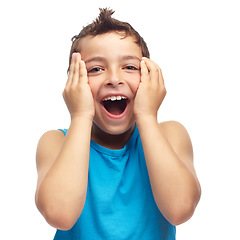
column 74, row 55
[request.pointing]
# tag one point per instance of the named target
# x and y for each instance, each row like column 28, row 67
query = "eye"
column 95, row 70
column 131, row 68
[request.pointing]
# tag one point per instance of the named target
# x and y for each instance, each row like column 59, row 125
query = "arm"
column 62, row 162
column 168, row 151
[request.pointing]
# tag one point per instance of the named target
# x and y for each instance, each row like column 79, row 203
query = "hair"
column 104, row 23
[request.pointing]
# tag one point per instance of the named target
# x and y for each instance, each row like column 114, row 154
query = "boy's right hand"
column 77, row 93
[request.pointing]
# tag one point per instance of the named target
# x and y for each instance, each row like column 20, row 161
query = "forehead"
column 109, row 45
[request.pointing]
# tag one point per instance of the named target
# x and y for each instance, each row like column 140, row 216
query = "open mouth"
column 115, row 105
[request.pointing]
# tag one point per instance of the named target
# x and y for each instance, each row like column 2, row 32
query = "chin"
column 113, row 129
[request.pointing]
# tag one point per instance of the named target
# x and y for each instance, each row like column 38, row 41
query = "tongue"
column 114, row 110
column 115, row 107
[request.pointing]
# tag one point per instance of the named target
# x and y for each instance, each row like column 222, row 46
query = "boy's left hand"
column 151, row 90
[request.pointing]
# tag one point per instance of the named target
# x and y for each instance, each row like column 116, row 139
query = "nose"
column 113, row 78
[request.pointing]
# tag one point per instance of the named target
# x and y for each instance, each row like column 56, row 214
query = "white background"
column 197, row 45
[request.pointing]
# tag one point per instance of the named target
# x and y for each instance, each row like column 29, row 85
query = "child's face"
column 113, row 66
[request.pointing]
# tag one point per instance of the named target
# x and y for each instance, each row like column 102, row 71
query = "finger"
column 153, row 70
column 75, row 77
column 144, row 72
column 71, row 71
column 83, row 72
column 161, row 80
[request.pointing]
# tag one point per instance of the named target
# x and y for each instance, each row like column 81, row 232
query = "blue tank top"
column 119, row 202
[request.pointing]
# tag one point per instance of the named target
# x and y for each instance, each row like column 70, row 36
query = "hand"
column 77, row 93
column 151, row 90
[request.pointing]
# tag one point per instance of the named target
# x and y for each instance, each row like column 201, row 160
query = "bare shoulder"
column 49, row 141
column 175, row 131
column 48, row 147
column 180, row 141
column 52, row 136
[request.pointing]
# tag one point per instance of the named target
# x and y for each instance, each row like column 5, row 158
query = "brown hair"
column 103, row 24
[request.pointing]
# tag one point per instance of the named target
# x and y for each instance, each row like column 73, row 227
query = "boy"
column 116, row 173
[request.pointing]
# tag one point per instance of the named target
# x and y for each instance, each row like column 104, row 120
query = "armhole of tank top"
column 64, row 131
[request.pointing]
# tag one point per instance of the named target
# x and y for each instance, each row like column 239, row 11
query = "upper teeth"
column 114, row 98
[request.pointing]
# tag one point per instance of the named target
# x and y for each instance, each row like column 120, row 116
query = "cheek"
column 134, row 85
column 93, row 86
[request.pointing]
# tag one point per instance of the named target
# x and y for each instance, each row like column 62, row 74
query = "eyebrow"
column 96, row 59
column 130, row 57
column 102, row 59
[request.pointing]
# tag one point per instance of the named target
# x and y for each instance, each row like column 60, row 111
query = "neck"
column 109, row 140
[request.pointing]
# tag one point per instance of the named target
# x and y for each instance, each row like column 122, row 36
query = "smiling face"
column 113, row 65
